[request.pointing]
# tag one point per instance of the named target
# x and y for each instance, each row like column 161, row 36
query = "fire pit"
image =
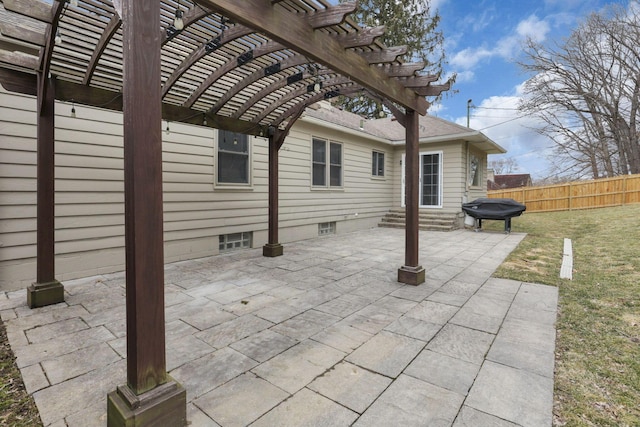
column 497, row 209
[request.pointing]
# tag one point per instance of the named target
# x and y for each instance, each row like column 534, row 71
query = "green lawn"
column 597, row 380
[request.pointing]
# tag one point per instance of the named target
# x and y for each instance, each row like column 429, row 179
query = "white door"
column 429, row 180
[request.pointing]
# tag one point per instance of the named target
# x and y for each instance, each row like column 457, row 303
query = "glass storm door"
column 430, row 180
column 430, row 173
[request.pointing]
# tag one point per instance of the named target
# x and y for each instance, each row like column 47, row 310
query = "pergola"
column 249, row 66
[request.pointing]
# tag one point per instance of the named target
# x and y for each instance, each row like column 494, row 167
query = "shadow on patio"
column 318, row 336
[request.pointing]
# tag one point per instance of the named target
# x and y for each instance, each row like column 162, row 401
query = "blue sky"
column 483, row 39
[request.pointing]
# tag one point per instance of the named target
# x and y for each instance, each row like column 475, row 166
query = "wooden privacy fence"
column 598, row 193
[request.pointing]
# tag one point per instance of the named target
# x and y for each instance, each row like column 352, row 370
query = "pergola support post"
column 46, row 290
column 412, row 273
column 150, row 397
column 273, row 248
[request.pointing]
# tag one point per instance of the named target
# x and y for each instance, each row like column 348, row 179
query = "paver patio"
column 322, row 336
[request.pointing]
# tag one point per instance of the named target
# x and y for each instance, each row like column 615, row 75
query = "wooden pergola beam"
column 402, row 70
column 290, row 62
column 112, row 27
column 412, row 273
column 299, row 35
column 327, row 85
column 35, row 9
column 46, row 290
column 150, row 396
column 230, row 34
column 294, row 112
column 272, row 88
column 361, row 38
column 333, row 15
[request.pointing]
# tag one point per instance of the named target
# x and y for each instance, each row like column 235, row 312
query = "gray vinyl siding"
column 90, row 200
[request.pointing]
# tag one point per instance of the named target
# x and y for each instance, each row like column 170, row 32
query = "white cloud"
column 469, row 57
column 498, row 118
column 507, row 47
column 533, row 28
column 465, row 77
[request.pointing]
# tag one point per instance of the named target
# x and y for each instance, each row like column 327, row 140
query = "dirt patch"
column 17, row 408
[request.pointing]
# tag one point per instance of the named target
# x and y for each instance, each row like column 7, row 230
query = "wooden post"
column 46, row 290
column 273, row 248
column 412, row 273
column 150, row 396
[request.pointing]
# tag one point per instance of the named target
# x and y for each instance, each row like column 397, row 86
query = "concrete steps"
column 429, row 220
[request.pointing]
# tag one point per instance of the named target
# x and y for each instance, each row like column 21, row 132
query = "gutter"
column 344, row 129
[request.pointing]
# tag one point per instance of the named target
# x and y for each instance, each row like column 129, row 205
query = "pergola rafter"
column 214, row 27
column 249, row 66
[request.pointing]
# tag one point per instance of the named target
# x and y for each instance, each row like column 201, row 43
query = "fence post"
column 624, row 189
column 570, row 195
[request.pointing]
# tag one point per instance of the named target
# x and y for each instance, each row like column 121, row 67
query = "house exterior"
column 338, row 173
column 501, row 182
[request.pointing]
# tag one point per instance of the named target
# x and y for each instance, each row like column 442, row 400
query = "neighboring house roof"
column 512, row 181
column 491, row 185
column 431, row 129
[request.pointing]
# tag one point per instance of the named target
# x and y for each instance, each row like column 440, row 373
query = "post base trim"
column 411, row 275
column 43, row 294
column 165, row 405
column 272, row 250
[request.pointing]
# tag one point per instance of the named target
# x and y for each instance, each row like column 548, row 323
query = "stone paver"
column 307, row 409
column 412, row 402
column 351, row 386
column 386, row 353
column 298, row 366
column 322, row 336
column 240, row 401
column 512, row 394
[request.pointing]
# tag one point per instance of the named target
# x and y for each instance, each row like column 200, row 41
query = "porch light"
column 167, row 130
column 361, row 124
column 178, row 23
column 204, row 119
column 317, row 86
column 73, row 110
column 58, row 38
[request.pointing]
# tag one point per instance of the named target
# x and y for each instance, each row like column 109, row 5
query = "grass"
column 597, row 379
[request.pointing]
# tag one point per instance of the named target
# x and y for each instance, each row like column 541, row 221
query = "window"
column 474, row 171
column 234, row 241
column 325, row 154
column 326, row 228
column 430, row 191
column 233, row 158
column 377, row 164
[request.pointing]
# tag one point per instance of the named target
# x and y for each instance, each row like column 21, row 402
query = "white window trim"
column 479, row 171
column 232, row 185
column 440, row 180
column 328, row 186
column 384, row 166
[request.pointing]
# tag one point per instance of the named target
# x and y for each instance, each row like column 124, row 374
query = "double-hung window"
column 233, row 158
column 377, row 164
column 326, row 163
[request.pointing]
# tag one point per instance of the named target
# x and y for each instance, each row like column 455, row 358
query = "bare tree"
column 586, row 91
column 504, row 165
